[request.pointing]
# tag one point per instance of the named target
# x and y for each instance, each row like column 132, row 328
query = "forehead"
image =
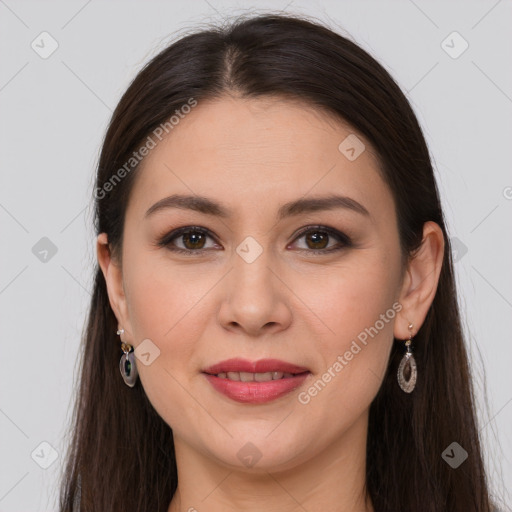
column 252, row 153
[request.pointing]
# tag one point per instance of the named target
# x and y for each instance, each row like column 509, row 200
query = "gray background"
column 54, row 113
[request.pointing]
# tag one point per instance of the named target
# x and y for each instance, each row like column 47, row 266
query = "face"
column 316, row 288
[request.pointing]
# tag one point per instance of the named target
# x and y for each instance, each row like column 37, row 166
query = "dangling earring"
column 407, row 370
column 127, row 364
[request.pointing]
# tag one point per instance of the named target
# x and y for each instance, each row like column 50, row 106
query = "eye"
column 192, row 237
column 317, row 239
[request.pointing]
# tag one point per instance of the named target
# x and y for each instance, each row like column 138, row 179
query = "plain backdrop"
column 54, row 110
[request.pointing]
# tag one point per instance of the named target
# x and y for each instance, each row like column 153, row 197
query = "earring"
column 127, row 364
column 407, row 370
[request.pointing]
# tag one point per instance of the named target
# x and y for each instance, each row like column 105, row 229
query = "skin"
column 252, row 156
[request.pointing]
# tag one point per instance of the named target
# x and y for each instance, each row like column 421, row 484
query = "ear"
column 420, row 281
column 114, row 280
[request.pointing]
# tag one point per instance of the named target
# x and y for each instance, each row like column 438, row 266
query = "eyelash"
column 166, row 240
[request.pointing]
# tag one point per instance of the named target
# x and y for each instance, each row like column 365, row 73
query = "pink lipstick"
column 255, row 382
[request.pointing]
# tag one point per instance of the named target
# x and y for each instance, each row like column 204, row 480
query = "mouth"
column 262, row 367
column 255, row 382
column 255, row 377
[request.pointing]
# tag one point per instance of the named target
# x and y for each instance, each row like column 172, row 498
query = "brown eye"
column 317, row 240
column 192, row 240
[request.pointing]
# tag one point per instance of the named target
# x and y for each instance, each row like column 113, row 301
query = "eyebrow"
column 304, row 205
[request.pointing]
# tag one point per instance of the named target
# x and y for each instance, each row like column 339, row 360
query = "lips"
column 261, row 366
column 254, row 377
column 255, row 382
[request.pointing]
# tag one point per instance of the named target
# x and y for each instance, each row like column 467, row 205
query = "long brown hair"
column 121, row 455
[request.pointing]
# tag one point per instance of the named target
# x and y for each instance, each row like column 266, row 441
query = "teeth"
column 264, row 377
column 257, row 377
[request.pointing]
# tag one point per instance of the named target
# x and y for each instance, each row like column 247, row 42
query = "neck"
column 332, row 480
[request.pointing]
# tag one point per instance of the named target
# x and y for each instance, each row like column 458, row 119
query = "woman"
column 275, row 286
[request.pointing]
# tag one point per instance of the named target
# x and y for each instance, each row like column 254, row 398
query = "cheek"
column 162, row 296
column 164, row 304
column 352, row 297
column 358, row 307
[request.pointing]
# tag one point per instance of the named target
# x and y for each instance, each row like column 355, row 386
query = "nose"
column 255, row 299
